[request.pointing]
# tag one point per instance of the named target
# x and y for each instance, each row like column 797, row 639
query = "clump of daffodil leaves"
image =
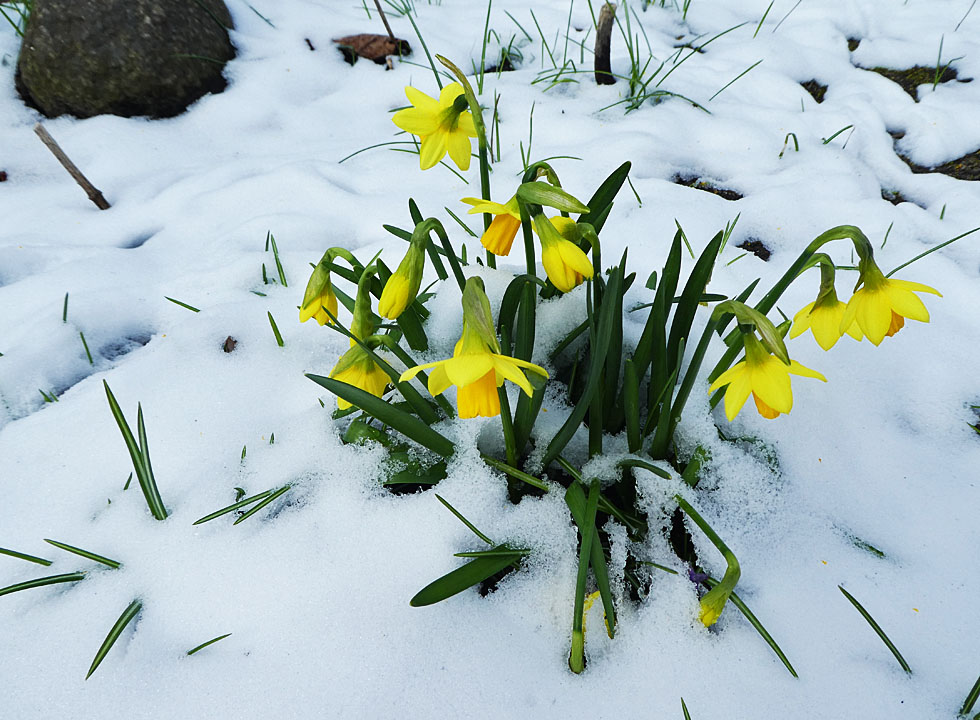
column 393, row 389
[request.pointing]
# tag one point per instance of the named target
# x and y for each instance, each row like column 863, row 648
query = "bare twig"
column 603, row 71
column 384, row 19
column 94, row 194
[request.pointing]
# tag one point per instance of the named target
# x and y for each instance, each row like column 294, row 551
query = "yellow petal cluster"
column 881, row 305
column 477, row 372
column 356, row 367
column 564, row 262
column 763, row 376
column 825, row 321
column 441, row 126
column 318, row 298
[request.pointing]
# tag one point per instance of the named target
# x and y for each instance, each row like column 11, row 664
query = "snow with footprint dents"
column 315, row 590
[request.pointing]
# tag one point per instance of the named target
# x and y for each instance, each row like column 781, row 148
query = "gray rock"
column 123, row 57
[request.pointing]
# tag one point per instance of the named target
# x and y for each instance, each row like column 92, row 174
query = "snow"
column 315, row 590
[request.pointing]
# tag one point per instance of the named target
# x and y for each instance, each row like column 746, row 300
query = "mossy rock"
column 123, row 57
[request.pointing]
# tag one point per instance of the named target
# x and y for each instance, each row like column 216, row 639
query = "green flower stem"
column 507, row 424
column 719, row 594
column 861, row 244
column 576, row 657
column 399, row 352
column 481, row 139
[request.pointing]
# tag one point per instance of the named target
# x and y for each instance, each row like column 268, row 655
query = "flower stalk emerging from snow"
column 476, row 368
column 714, row 601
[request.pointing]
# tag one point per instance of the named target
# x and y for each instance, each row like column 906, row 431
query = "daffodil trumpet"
column 477, row 368
column 713, row 602
column 563, row 260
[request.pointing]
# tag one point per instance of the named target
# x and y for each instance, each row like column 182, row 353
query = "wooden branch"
column 603, row 71
column 384, row 19
column 93, row 193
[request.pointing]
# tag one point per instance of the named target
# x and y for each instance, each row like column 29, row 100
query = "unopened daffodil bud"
column 356, row 367
column 319, row 296
column 403, row 285
column 363, row 323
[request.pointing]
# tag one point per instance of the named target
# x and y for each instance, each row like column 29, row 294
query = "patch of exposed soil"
column 852, row 44
column 816, row 90
column 910, row 79
column 698, row 184
column 757, row 248
column 964, row 168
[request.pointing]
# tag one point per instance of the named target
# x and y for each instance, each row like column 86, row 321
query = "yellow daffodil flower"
column 319, row 295
column 499, row 237
column 563, row 260
column 765, row 377
column 443, row 125
column 476, row 368
column 823, row 318
column 881, row 305
column 356, row 367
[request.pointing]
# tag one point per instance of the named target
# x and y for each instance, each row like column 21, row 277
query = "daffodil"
column 881, row 305
column 476, row 368
column 403, row 285
column 499, row 237
column 563, row 260
column 356, row 367
column 765, row 377
column 443, row 125
column 319, row 296
column 823, row 317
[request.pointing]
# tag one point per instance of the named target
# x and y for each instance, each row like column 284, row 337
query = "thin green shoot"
column 971, row 698
column 687, row 242
column 639, row 201
column 526, row 159
column 64, row 310
column 687, row 715
column 275, row 254
column 127, row 616
column 467, row 523
column 42, row 582
column 796, row 144
column 281, row 491
column 659, row 567
column 877, row 628
column 88, row 354
column 519, row 26
column 483, row 51
column 496, row 122
column 729, row 229
column 827, row 140
column 886, row 234
column 940, row 68
column 182, row 304
column 696, row 50
column 968, row 11
column 786, row 16
column 48, row 397
column 212, row 641
column 275, row 330
column 239, row 503
column 741, row 74
column 267, row 20
column 418, row 34
column 764, row 16
column 687, row 4
column 931, row 250
column 114, row 564
column 544, row 43
column 24, row 556
column 128, row 481
column 942, row 213
column 272, row 439
column 461, row 223
column 243, row 451
column 568, row 29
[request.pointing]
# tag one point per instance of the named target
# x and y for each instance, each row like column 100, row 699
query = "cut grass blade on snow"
column 41, row 582
column 203, row 645
column 114, row 564
column 127, row 616
column 24, row 556
column 275, row 330
column 877, row 628
column 183, row 304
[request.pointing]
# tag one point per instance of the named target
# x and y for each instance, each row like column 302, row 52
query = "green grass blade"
column 687, row 715
column 209, row 642
column 602, row 199
column 497, row 552
column 24, row 556
column 114, row 564
column 631, row 406
column 877, row 628
column 408, row 425
column 275, row 330
column 88, row 353
column 182, row 304
column 275, row 255
column 687, row 305
column 516, row 474
column 759, row 628
column 576, row 657
column 261, row 504
column 150, row 490
column 127, row 616
column 971, row 698
column 467, row 523
column 140, row 465
column 235, row 506
column 462, row 578
column 635, row 462
column 41, row 582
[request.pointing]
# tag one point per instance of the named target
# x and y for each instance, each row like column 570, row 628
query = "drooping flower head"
column 364, row 321
column 476, row 368
column 499, row 237
column 443, row 125
column 564, row 262
column 765, row 377
column 356, row 367
column 881, row 304
column 319, row 296
column 824, row 315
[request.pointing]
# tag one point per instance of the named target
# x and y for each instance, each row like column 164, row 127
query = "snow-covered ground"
column 315, row 591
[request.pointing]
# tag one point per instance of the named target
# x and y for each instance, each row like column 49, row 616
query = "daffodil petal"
column 448, row 95
column 416, row 121
column 907, row 304
column 825, row 325
column 770, row 381
column 459, row 149
column 801, row 321
column 485, row 206
column 412, row 372
column 728, row 376
column 573, row 256
column 466, row 125
column 738, row 392
column 874, row 314
column 479, row 398
column 803, row 371
column 510, row 371
column 466, row 369
column 433, row 149
column 499, row 237
column 438, row 381
column 914, row 286
column 422, row 101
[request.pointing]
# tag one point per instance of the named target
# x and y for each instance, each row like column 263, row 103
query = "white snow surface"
column 315, row 590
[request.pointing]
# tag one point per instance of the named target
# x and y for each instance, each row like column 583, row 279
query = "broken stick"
column 94, row 194
column 603, row 72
